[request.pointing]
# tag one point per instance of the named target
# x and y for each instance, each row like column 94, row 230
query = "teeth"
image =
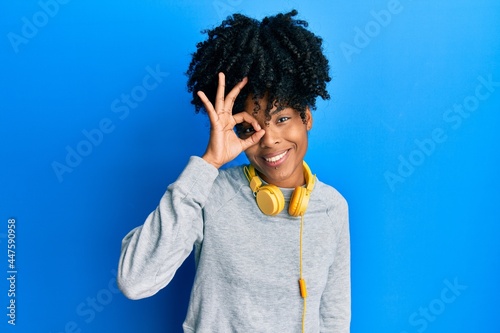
column 276, row 158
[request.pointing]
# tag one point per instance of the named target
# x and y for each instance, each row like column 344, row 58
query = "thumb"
column 253, row 140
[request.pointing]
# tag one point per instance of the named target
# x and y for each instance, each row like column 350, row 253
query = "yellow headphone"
column 270, row 199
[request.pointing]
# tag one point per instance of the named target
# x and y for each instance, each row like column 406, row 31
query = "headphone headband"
column 269, row 197
column 309, row 177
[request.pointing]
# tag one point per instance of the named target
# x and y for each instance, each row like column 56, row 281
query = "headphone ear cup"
column 298, row 202
column 270, row 199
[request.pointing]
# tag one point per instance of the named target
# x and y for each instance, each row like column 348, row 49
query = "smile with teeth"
column 276, row 158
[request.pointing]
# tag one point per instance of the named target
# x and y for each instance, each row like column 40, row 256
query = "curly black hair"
column 281, row 58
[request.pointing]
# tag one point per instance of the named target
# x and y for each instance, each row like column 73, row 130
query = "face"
column 279, row 155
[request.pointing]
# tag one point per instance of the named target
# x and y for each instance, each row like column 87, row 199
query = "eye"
column 248, row 130
column 244, row 131
column 282, row 119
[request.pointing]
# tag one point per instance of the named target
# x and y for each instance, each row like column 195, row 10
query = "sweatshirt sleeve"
column 151, row 253
column 335, row 308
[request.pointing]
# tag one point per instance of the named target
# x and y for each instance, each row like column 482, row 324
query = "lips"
column 276, row 159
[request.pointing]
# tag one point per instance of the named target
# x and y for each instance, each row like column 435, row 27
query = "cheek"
column 250, row 153
column 300, row 137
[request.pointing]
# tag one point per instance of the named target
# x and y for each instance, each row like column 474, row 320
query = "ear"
column 309, row 119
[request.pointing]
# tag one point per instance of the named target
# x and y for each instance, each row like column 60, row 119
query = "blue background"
column 421, row 180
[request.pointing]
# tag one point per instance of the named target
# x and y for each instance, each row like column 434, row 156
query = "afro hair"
column 281, row 58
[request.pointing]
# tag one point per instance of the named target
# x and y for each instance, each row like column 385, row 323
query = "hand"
column 224, row 145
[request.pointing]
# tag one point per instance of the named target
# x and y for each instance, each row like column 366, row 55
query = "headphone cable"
column 302, row 282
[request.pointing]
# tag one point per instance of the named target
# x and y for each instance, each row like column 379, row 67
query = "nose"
column 271, row 136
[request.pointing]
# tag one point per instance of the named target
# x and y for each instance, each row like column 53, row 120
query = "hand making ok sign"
column 224, row 145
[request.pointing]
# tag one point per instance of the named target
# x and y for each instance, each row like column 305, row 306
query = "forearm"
column 152, row 253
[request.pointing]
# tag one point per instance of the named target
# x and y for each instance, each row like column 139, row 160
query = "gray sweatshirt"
column 247, row 263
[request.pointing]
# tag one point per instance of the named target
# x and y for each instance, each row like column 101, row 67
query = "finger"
column 231, row 97
column 253, row 140
column 219, row 97
column 206, row 102
column 208, row 105
column 247, row 117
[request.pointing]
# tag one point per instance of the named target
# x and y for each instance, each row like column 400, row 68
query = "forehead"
column 251, row 106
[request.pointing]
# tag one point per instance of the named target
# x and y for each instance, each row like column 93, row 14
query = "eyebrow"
column 277, row 111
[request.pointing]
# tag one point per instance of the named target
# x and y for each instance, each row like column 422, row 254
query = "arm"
column 151, row 253
column 335, row 308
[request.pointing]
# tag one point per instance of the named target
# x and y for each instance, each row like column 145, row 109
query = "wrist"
column 210, row 160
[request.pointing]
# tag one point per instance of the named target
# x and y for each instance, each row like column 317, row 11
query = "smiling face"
column 279, row 155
